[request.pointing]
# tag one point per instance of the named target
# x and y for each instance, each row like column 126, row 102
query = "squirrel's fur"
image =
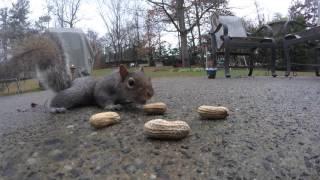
column 44, row 54
column 120, row 87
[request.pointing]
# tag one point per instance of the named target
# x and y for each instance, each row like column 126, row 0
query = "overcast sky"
column 92, row 20
column 246, row 8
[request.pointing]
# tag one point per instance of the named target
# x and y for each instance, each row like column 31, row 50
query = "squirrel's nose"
column 143, row 101
column 149, row 94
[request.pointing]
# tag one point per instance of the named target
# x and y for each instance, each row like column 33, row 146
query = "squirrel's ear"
column 141, row 69
column 123, row 71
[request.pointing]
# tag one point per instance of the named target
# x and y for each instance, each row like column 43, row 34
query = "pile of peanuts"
column 161, row 128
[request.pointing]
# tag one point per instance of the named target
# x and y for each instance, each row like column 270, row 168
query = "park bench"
column 230, row 38
column 290, row 33
column 309, row 37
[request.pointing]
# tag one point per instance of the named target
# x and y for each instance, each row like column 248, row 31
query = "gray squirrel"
column 109, row 92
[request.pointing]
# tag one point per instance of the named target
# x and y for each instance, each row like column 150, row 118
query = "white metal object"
column 76, row 48
column 318, row 13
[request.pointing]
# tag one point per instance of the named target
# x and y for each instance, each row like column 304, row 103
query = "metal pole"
column 206, row 51
column 318, row 13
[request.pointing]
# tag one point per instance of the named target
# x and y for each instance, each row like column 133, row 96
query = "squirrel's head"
column 137, row 86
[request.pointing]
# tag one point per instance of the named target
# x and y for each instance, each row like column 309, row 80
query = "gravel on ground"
column 272, row 132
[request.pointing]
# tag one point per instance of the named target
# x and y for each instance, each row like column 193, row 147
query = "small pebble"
column 31, row 161
column 21, row 143
column 184, row 147
column 301, row 143
column 70, row 127
column 156, row 153
column 93, row 134
column 67, row 167
column 269, row 158
column 125, row 150
column 152, row 176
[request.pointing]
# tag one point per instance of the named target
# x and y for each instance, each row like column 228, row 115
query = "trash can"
column 211, row 72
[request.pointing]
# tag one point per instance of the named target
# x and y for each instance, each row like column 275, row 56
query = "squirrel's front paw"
column 113, row 107
column 55, row 110
column 132, row 106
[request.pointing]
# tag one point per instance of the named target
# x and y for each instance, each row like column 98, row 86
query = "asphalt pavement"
column 272, row 132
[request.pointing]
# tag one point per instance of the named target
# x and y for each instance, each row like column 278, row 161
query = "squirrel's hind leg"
column 70, row 98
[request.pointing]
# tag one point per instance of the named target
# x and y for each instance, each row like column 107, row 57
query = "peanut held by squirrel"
column 109, row 92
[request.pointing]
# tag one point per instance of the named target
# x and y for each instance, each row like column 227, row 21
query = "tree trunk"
column 184, row 49
column 199, row 33
column 4, row 19
column 192, row 35
column 5, row 48
column 151, row 61
column 183, row 33
column 160, row 47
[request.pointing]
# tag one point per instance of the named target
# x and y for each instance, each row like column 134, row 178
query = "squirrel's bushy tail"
column 44, row 55
column 54, row 78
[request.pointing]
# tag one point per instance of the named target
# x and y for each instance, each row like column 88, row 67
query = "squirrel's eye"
column 131, row 82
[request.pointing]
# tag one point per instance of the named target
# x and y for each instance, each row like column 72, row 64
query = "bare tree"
column 43, row 22
column 95, row 42
column 307, row 9
column 150, row 34
column 193, row 38
column 97, row 48
column 175, row 11
column 18, row 19
column 261, row 18
column 66, row 11
column 14, row 27
column 197, row 8
column 115, row 24
column 4, row 34
column 134, row 30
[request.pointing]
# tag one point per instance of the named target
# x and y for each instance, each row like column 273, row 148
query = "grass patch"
column 102, row 72
column 196, row 72
column 29, row 85
column 154, row 72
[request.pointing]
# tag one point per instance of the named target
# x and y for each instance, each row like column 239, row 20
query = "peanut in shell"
column 213, row 112
column 104, row 119
column 163, row 129
column 158, row 108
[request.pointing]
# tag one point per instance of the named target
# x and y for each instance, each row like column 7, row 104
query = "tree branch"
column 161, row 5
column 200, row 17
